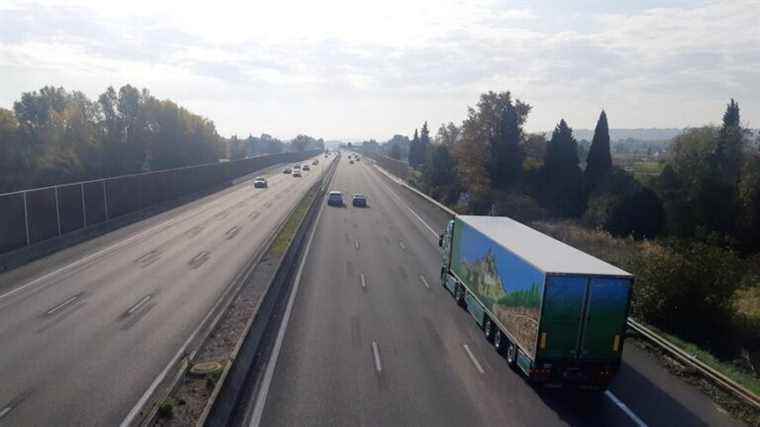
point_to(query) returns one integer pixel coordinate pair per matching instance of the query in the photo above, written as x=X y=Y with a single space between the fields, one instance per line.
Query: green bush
x=688 y=287
x=520 y=207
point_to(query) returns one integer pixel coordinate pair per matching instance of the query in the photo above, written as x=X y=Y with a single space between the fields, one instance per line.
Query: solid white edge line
x=364 y=281
x=473 y=359
x=401 y=203
x=376 y=352
x=639 y=422
x=160 y=378
x=424 y=282
x=423 y=222
x=261 y=398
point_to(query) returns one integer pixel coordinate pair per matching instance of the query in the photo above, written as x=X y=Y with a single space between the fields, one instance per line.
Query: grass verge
x=282 y=242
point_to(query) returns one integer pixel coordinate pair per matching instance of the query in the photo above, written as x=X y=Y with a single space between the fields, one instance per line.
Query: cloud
x=402 y=61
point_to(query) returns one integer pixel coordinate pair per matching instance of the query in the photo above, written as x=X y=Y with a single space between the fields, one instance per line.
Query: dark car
x=306 y=167
x=335 y=198
x=296 y=173
x=359 y=200
x=260 y=182
x=287 y=171
x=351 y=162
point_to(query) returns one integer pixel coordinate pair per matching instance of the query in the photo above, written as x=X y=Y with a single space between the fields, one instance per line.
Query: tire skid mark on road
x=198 y=229
x=148 y=258
x=402 y=272
x=137 y=311
x=268 y=205
x=222 y=214
x=232 y=232
x=349 y=268
x=356 y=333
x=199 y=259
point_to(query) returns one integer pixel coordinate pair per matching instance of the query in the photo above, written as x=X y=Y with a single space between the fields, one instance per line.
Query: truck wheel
x=512 y=355
x=500 y=342
x=459 y=296
x=488 y=328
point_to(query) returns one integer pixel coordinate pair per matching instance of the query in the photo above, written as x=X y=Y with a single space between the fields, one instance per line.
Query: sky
x=353 y=69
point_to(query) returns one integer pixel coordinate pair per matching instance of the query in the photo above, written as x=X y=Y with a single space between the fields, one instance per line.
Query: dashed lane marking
x=473 y=359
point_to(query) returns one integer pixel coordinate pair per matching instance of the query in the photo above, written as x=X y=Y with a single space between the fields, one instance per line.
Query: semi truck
x=556 y=314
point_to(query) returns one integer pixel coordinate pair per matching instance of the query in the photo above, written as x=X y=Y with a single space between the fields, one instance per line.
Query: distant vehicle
x=287 y=171
x=358 y=158
x=297 y=167
x=297 y=173
x=315 y=162
x=359 y=200
x=305 y=167
x=351 y=162
x=335 y=198
x=558 y=315
x=260 y=182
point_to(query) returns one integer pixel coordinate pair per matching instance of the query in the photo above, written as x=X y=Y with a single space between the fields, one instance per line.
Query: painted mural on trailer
x=508 y=286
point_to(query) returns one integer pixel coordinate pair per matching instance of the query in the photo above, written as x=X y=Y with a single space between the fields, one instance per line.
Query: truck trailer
x=556 y=314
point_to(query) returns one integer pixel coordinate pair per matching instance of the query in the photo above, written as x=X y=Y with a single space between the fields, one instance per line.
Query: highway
x=82 y=341
x=373 y=339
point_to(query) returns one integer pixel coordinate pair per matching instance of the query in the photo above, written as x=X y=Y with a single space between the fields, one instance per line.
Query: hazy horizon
x=342 y=70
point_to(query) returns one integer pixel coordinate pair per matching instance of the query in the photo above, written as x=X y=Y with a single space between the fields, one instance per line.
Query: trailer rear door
x=606 y=312
x=564 y=297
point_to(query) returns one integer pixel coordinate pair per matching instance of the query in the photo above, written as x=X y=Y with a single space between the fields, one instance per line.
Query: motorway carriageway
x=370 y=337
x=81 y=342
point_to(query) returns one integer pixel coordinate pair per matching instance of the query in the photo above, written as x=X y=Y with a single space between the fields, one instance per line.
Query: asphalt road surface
x=82 y=342
x=373 y=339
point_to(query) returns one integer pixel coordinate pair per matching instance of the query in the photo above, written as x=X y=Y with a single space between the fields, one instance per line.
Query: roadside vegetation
x=53 y=136
x=682 y=215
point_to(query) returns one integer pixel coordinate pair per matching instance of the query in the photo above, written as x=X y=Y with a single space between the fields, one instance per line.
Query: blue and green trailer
x=557 y=315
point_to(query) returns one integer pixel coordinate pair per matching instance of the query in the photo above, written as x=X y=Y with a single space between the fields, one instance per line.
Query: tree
x=506 y=155
x=414 y=150
x=486 y=154
x=439 y=175
x=561 y=190
x=424 y=145
x=448 y=135
x=599 y=160
x=395 y=151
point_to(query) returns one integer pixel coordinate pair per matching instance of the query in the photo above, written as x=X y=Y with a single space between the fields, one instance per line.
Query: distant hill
x=639 y=134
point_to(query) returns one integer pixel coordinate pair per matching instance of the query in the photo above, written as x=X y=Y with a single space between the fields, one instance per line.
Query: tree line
x=53 y=136
x=708 y=190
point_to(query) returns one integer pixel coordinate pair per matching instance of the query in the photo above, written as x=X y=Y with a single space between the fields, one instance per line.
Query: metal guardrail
x=721 y=380
x=38 y=214
x=726 y=383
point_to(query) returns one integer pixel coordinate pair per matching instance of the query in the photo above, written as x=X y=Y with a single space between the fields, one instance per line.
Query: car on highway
x=297 y=167
x=335 y=198
x=306 y=167
x=359 y=200
x=351 y=162
x=260 y=182
x=297 y=173
x=287 y=171
x=315 y=162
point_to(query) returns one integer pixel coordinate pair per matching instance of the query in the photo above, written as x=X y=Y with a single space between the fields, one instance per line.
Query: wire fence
x=35 y=215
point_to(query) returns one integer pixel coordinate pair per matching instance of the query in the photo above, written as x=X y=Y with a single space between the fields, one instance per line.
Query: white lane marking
x=139 y=304
x=402 y=245
x=639 y=422
x=261 y=399
x=5 y=411
x=356 y=244
x=364 y=281
x=401 y=203
x=423 y=222
x=473 y=359
x=62 y=305
x=376 y=352
x=121 y=243
x=424 y=282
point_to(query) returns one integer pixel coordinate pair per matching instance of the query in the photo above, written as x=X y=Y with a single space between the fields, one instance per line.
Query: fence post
x=26 y=220
x=58 y=210
x=84 y=208
x=105 y=199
